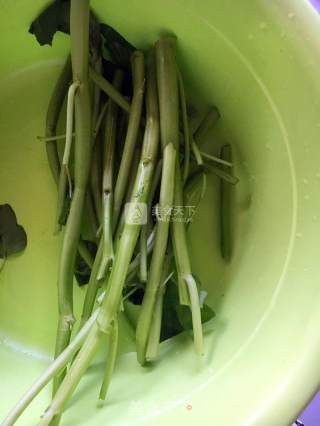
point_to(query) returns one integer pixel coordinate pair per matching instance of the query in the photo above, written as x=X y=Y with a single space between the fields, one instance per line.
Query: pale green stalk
x=107 y=181
x=97 y=116
x=96 y=166
x=145 y=230
x=89 y=214
x=121 y=221
x=195 y=313
x=215 y=159
x=111 y=359
x=186 y=130
x=110 y=306
x=143 y=269
x=54 y=108
x=206 y=124
x=108 y=88
x=155 y=329
x=94 y=284
x=69 y=125
x=199 y=161
x=134 y=265
x=59 y=363
x=169 y=125
x=85 y=253
x=95 y=177
x=64 y=178
x=159 y=250
x=97 y=66
x=138 y=82
x=179 y=242
x=100 y=119
x=92 y=287
x=188 y=292
x=222 y=174
x=52 y=138
x=77 y=369
x=79 y=34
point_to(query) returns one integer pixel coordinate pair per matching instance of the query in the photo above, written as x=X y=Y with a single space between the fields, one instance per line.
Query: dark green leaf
x=185 y=318
x=52 y=19
x=56 y=17
x=13 y=238
x=119 y=48
x=207 y=313
x=177 y=318
x=170 y=325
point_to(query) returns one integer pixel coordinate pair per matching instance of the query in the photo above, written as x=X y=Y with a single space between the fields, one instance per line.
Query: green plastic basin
x=259 y=62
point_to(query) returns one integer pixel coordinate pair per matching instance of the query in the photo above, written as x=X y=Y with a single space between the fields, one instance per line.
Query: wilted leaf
x=53 y=18
x=56 y=17
x=119 y=48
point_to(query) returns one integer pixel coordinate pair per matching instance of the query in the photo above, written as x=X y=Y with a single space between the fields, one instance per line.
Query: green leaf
x=13 y=237
x=170 y=325
x=119 y=48
x=207 y=313
x=177 y=318
x=185 y=318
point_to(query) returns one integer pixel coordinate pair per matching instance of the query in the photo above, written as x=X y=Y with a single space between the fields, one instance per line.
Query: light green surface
x=259 y=62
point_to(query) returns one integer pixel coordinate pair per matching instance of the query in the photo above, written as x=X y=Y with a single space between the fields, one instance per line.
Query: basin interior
x=264 y=213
